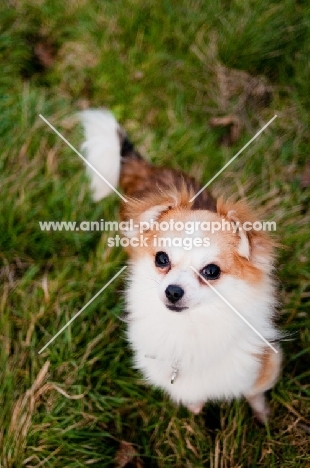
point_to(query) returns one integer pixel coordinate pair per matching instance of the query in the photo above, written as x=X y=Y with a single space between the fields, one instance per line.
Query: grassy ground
x=165 y=68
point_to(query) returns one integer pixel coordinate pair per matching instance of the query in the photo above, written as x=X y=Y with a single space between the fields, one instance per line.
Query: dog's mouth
x=175 y=308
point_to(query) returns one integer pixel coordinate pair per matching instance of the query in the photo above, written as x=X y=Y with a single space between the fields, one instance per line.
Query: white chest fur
x=209 y=349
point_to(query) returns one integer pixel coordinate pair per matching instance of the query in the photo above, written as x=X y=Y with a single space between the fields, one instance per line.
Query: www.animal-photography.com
x=155 y=234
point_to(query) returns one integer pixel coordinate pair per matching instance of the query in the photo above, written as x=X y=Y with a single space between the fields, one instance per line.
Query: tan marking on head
x=141 y=180
x=245 y=264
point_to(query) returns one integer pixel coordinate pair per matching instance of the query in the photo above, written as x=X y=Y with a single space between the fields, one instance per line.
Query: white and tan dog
x=186 y=339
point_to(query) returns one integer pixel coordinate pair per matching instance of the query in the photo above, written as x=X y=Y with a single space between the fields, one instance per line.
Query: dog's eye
x=162 y=260
x=211 y=272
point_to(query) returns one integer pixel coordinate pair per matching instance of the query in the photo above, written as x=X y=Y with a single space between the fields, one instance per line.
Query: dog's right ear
x=139 y=215
x=141 y=212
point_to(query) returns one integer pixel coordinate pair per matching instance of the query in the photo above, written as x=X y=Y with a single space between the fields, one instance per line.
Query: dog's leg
x=260 y=407
x=267 y=377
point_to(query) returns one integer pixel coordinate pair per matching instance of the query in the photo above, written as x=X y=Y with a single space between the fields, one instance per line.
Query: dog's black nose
x=174 y=293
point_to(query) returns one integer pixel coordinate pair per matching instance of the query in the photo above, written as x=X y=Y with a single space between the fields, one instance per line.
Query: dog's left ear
x=244 y=248
x=253 y=244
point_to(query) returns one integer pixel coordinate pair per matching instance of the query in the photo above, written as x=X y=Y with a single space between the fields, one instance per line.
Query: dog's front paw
x=195 y=408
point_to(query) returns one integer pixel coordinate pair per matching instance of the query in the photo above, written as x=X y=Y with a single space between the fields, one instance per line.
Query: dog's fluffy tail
x=102 y=148
x=108 y=149
x=110 y=152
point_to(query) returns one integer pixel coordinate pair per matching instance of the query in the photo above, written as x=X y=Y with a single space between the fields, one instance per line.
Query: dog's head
x=182 y=252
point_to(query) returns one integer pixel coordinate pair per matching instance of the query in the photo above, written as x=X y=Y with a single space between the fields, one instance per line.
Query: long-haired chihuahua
x=201 y=301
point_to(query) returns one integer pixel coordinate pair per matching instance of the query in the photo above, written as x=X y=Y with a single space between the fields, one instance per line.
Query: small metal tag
x=174 y=375
x=176 y=369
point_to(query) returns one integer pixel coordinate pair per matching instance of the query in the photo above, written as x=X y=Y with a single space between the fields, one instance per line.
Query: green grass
x=158 y=66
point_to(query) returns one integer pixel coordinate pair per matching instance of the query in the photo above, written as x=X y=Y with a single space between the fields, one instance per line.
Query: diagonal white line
x=82 y=157
x=235 y=310
x=232 y=159
x=83 y=308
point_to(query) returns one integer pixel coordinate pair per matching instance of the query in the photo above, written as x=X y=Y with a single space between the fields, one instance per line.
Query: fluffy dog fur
x=196 y=349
